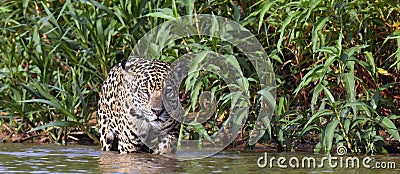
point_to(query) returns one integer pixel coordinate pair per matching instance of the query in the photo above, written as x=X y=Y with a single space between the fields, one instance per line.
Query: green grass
x=337 y=61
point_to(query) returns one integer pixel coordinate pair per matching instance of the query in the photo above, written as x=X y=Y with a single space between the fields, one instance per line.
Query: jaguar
x=131 y=114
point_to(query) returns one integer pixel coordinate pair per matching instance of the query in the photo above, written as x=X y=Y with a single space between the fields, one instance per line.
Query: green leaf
x=361 y=120
x=56 y=124
x=287 y=21
x=319 y=114
x=309 y=128
x=329 y=50
x=281 y=106
x=50 y=16
x=310 y=76
x=314 y=99
x=266 y=94
x=319 y=25
x=101 y=6
x=266 y=6
x=329 y=134
x=364 y=107
x=349 y=82
x=162 y=13
x=350 y=52
x=55 y=104
x=329 y=95
x=390 y=127
x=371 y=62
x=200 y=130
x=394 y=117
x=346 y=125
x=263 y=123
x=195 y=94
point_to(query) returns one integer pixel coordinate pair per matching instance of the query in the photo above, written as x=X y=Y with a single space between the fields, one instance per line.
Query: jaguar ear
x=127 y=76
x=126 y=66
x=123 y=63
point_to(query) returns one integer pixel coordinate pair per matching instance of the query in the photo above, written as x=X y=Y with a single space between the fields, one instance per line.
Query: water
x=49 y=158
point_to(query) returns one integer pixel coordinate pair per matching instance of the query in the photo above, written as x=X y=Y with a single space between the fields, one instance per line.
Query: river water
x=51 y=158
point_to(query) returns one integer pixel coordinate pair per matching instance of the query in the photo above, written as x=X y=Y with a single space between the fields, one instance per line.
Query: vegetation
x=336 y=63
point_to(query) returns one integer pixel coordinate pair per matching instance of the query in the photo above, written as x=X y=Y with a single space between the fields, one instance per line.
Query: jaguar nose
x=157 y=112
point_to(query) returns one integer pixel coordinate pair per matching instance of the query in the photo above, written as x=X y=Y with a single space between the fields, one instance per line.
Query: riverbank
x=305 y=144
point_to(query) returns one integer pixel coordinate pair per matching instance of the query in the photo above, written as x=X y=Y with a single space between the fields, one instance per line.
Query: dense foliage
x=336 y=64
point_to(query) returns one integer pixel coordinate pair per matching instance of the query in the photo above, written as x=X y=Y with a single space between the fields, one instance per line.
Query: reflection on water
x=33 y=158
x=112 y=162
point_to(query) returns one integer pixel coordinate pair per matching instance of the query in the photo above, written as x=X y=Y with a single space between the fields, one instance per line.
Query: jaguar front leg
x=167 y=144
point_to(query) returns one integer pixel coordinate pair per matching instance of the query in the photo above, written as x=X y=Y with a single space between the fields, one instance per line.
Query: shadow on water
x=50 y=158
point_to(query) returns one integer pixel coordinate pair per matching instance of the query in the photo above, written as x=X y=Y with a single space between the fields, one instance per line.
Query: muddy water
x=33 y=158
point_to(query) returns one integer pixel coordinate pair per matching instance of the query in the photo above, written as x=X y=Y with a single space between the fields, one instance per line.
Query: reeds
x=337 y=61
